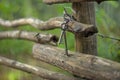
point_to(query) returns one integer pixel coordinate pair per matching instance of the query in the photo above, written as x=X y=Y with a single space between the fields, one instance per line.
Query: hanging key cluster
x=64 y=27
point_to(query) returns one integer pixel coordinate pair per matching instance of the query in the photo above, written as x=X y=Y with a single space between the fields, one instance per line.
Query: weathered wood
x=31 y=36
x=85 y=13
x=71 y=1
x=84 y=30
x=34 y=70
x=37 y=23
x=74 y=26
x=83 y=65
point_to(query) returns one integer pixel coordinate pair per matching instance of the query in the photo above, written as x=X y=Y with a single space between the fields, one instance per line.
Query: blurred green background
x=107 y=20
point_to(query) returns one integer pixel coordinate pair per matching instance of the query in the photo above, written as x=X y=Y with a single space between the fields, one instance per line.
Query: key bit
x=61 y=37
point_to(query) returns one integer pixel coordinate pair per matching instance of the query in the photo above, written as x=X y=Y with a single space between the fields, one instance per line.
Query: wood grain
x=85 y=13
x=83 y=65
x=46 y=74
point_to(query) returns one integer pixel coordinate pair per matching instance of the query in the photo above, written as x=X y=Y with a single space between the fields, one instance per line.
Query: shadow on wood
x=71 y=1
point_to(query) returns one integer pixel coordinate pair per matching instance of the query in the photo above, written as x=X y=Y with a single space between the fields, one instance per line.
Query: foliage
x=107 y=15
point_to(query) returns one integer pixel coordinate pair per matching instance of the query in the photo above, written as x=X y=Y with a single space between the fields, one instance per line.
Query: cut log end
x=89 y=32
x=54 y=38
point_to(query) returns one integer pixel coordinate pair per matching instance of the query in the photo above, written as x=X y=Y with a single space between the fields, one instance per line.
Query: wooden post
x=85 y=13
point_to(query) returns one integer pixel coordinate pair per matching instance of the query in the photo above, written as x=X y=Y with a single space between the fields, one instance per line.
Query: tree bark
x=35 y=70
x=74 y=26
x=31 y=36
x=83 y=65
x=85 y=13
x=70 y=1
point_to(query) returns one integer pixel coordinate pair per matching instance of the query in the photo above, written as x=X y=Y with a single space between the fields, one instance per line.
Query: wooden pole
x=89 y=67
x=85 y=13
x=43 y=73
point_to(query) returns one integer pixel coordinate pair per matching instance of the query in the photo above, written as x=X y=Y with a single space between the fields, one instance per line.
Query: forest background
x=107 y=21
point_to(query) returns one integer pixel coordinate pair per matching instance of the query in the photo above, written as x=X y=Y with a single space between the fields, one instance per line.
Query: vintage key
x=63 y=35
x=61 y=38
x=64 y=27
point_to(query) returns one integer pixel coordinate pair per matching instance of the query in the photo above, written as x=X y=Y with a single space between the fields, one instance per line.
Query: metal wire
x=109 y=37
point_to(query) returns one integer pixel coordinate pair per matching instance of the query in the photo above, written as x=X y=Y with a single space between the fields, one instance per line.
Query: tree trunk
x=85 y=13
